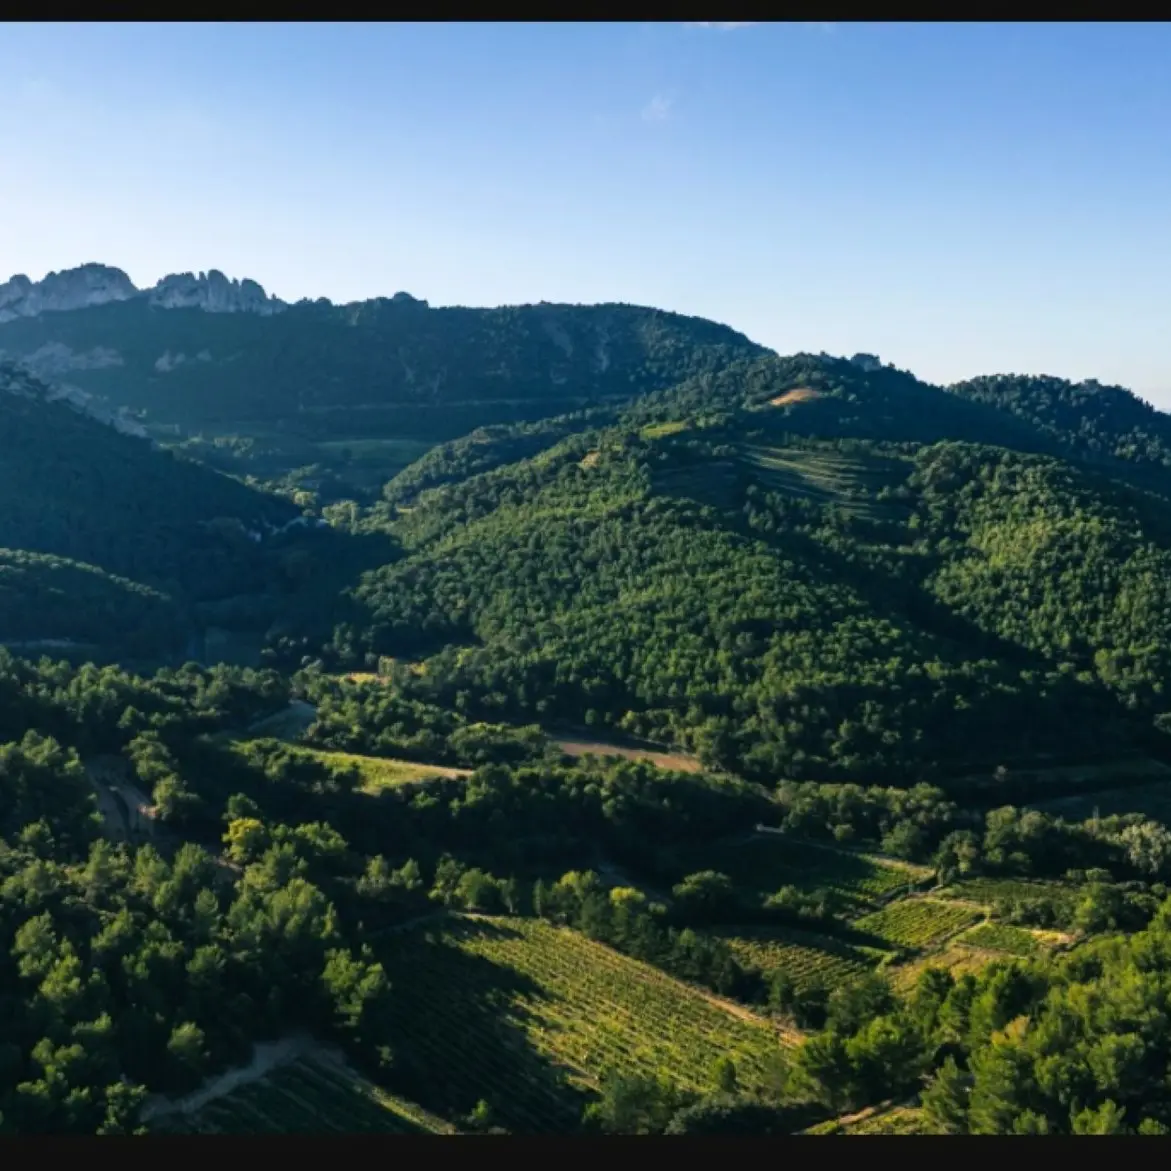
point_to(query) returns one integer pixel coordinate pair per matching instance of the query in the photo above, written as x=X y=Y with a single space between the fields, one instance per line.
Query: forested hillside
x=788 y=571
x=668 y=738
x=113 y=544
x=338 y=395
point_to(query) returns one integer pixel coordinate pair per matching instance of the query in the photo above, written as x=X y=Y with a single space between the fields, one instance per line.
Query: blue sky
x=958 y=198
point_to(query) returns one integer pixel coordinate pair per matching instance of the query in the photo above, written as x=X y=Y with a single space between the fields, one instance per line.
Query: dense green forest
x=563 y=719
x=325 y=398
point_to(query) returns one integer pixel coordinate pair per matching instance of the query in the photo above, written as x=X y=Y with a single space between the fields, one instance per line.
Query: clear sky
x=958 y=198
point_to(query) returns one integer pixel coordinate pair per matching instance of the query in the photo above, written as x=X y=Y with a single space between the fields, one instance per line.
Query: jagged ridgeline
x=355 y=392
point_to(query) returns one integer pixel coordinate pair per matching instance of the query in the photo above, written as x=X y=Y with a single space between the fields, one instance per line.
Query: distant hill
x=1104 y=425
x=350 y=388
x=104 y=537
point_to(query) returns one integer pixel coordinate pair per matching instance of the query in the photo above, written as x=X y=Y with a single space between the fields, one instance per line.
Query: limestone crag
x=214 y=293
x=74 y=288
x=97 y=284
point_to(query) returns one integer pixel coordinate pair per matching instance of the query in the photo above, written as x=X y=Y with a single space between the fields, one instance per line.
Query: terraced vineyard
x=805 y=957
x=306 y=1097
x=918 y=923
x=1001 y=937
x=767 y=861
x=530 y=1016
x=826 y=477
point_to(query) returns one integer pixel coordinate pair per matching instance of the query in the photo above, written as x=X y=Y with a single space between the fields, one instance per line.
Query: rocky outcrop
x=96 y=284
x=214 y=293
x=74 y=288
x=21 y=381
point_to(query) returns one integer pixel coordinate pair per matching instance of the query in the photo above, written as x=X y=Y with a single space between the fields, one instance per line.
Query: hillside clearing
x=287 y=724
x=377 y=772
x=584 y=746
x=800 y=394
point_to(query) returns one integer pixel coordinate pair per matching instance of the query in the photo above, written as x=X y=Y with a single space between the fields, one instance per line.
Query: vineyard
x=987 y=891
x=1001 y=937
x=766 y=862
x=805 y=957
x=892 y=1120
x=917 y=923
x=310 y=1096
x=531 y=1016
x=825 y=477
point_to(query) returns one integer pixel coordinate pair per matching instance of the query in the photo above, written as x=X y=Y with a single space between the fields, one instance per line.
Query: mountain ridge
x=99 y=284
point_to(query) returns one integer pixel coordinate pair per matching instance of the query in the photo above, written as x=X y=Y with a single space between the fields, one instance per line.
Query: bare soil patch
x=800 y=395
x=587 y=746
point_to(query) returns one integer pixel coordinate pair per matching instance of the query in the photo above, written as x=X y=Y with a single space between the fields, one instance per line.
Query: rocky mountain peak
x=73 y=288
x=95 y=284
x=214 y=293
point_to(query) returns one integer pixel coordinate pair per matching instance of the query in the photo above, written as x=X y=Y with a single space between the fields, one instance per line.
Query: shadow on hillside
x=459 y=1031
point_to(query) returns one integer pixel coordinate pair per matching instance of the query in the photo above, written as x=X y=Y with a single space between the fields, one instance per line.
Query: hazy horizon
x=957 y=198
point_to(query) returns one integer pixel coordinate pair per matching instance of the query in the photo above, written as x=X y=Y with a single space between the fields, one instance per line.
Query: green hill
x=849 y=582
x=338 y=390
x=109 y=541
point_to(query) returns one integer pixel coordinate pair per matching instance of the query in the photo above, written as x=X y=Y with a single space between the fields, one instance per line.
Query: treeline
x=380 y=720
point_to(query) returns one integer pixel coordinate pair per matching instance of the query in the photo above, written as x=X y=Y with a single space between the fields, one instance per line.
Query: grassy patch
x=1001 y=937
x=658 y=430
x=377 y=772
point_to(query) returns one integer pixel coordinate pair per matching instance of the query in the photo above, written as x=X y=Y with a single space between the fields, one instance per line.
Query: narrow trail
x=265 y=1058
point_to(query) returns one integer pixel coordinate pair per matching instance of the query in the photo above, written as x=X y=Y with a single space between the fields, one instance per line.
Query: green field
x=530 y=1016
x=306 y=1097
x=807 y=958
x=766 y=862
x=917 y=923
x=658 y=430
x=377 y=772
x=1001 y=937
